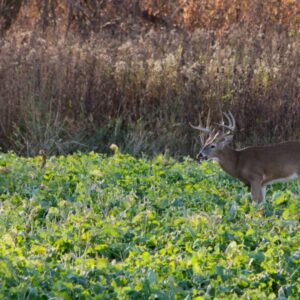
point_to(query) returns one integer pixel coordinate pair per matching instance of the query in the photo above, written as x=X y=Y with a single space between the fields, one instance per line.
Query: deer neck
x=228 y=159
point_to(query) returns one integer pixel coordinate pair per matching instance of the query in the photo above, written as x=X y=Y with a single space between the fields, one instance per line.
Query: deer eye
x=212 y=146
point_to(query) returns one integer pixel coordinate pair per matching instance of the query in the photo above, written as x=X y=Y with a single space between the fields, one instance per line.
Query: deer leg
x=257 y=191
x=264 y=191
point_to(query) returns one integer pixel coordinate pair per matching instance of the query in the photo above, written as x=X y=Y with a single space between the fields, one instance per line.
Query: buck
x=256 y=167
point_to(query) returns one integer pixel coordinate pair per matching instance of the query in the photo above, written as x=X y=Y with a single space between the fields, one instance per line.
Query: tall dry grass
x=140 y=92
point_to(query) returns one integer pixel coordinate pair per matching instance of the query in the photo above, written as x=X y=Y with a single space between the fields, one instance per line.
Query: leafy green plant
x=89 y=226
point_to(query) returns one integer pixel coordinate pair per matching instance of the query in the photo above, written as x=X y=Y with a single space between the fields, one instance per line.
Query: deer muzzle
x=201 y=156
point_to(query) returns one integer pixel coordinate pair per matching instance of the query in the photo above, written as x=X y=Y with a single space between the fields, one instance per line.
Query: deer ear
x=226 y=140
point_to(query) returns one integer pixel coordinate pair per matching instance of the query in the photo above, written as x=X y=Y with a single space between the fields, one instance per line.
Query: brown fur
x=258 y=166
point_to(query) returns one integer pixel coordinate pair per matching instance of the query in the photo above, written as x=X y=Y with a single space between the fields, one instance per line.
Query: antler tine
x=214 y=135
x=228 y=119
x=200 y=127
x=231 y=121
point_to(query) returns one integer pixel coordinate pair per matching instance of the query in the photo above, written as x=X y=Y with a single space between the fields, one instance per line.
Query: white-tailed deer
x=256 y=167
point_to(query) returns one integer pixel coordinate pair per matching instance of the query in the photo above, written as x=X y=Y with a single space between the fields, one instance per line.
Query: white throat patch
x=215 y=159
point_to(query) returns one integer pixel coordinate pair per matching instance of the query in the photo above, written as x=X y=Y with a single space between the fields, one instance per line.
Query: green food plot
x=89 y=226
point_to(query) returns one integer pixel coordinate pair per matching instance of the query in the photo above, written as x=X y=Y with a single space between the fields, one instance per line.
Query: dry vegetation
x=87 y=74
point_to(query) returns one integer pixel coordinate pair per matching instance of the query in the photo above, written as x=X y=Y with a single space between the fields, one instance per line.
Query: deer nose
x=201 y=156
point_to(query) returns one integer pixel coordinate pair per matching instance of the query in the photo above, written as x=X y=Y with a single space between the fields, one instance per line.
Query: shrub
x=140 y=90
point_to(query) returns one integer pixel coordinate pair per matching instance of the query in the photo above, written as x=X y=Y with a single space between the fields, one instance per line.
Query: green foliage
x=90 y=226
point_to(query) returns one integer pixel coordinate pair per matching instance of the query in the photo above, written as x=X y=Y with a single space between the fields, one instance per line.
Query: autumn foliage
x=218 y=15
x=84 y=74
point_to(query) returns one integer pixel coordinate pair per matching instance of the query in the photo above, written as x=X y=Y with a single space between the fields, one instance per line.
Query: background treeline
x=80 y=75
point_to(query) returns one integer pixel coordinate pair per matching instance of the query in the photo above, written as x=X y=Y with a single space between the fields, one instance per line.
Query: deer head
x=214 y=140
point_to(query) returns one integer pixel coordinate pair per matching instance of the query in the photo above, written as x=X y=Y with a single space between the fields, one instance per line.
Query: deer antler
x=209 y=135
x=205 y=130
x=230 y=118
x=200 y=127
